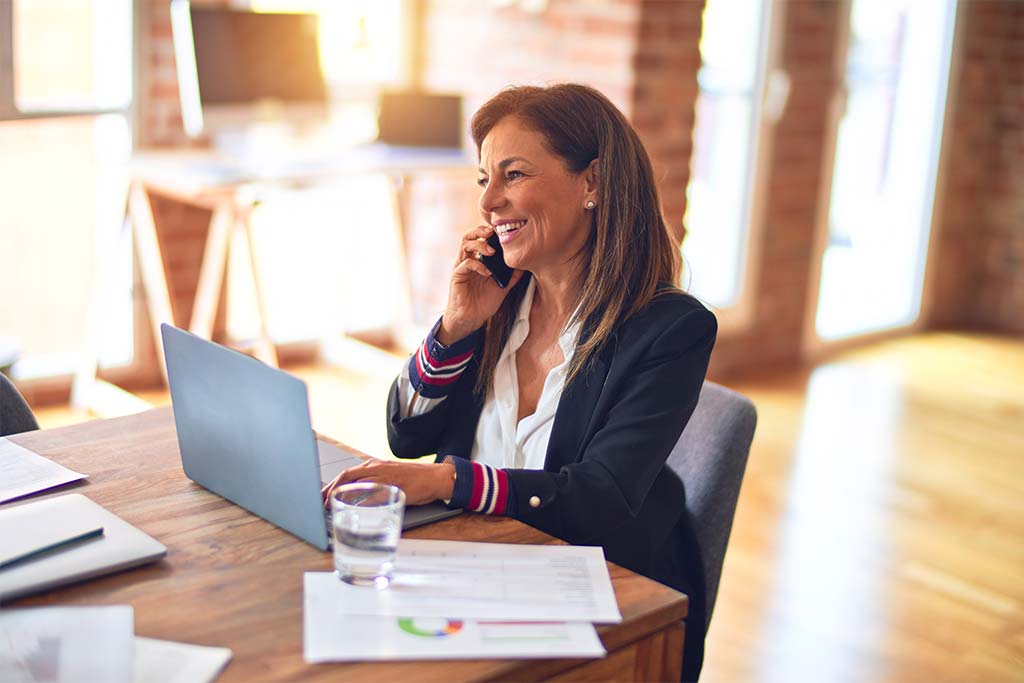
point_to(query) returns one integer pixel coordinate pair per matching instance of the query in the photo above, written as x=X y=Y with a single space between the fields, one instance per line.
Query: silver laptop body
x=120 y=546
x=244 y=433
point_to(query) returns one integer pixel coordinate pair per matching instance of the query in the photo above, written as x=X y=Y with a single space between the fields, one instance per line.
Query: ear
x=592 y=181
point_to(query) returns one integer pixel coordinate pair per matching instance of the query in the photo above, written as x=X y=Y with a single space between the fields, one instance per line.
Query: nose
x=492 y=198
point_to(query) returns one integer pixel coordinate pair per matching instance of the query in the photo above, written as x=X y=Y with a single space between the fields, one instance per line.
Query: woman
x=557 y=399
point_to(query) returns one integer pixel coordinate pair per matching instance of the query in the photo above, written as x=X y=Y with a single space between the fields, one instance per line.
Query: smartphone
x=496 y=262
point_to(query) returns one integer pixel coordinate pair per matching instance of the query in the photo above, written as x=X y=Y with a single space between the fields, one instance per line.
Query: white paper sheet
x=164 y=661
x=455 y=579
x=66 y=644
x=23 y=472
x=331 y=635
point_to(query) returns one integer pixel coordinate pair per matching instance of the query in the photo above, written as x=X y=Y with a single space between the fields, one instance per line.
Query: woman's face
x=532 y=200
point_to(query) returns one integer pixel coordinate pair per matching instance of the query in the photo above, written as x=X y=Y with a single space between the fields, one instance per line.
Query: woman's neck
x=554 y=300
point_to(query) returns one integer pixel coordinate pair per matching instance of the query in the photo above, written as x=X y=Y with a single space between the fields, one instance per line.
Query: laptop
x=244 y=433
x=119 y=546
x=420 y=119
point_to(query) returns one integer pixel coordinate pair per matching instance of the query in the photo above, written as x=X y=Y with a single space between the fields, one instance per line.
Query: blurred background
x=845 y=179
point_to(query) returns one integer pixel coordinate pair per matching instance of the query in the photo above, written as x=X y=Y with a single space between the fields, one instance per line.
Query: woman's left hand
x=421 y=482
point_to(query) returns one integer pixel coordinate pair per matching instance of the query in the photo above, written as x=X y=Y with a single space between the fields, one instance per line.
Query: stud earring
x=590 y=204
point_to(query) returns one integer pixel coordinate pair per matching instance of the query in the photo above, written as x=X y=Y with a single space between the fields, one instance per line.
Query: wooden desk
x=230 y=579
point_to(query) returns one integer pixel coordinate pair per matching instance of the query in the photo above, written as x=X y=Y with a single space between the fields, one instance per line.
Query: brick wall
x=1002 y=286
x=159 y=110
x=476 y=48
x=664 y=95
x=979 y=261
x=793 y=177
x=181 y=230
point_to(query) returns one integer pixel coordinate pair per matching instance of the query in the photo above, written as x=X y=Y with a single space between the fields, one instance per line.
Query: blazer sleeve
x=609 y=483
x=436 y=372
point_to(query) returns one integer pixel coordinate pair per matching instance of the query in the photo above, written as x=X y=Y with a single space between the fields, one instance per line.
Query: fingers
x=415 y=479
x=472 y=248
x=474 y=266
x=475 y=242
x=479 y=232
x=329 y=485
x=325 y=492
x=354 y=473
x=346 y=477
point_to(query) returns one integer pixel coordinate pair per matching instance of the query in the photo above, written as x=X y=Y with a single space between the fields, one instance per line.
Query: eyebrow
x=504 y=163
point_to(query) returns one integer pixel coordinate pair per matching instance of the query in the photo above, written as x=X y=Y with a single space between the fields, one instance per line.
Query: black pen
x=53 y=547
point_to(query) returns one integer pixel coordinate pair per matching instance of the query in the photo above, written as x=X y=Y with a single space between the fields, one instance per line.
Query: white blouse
x=501 y=441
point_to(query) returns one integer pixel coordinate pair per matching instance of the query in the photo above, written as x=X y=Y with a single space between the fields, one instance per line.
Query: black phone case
x=496 y=262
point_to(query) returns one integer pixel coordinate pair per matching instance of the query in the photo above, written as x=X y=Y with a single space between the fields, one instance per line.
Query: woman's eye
x=512 y=175
x=482 y=182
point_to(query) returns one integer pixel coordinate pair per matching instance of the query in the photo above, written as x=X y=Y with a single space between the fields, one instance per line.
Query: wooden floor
x=880 y=530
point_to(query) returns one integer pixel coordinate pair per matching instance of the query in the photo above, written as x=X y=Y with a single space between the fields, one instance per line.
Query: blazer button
x=534 y=502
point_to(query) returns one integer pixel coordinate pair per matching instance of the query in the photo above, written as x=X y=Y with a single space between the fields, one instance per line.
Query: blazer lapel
x=574 y=417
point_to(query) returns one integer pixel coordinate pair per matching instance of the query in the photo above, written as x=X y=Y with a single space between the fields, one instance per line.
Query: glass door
x=885 y=166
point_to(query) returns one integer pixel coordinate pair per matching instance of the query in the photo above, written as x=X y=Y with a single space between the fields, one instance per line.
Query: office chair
x=710 y=458
x=15 y=415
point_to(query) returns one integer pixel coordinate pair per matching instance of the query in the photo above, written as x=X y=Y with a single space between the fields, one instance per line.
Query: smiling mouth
x=507 y=229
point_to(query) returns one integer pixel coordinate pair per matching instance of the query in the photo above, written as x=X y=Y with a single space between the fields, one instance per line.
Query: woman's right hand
x=473 y=296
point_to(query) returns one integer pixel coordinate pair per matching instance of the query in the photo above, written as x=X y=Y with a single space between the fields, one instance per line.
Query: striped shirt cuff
x=435 y=368
x=481 y=488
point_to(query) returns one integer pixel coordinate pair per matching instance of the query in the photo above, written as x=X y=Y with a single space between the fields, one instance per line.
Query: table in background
x=231 y=579
x=230 y=188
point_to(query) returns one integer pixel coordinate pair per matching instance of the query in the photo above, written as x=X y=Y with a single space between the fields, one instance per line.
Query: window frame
x=141 y=370
x=739 y=316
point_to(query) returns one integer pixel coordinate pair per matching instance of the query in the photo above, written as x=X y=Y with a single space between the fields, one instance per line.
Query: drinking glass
x=367 y=521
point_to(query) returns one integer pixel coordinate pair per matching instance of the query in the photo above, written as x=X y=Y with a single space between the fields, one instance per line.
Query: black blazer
x=605 y=480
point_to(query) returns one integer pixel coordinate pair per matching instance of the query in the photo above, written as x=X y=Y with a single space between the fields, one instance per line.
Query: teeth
x=509 y=227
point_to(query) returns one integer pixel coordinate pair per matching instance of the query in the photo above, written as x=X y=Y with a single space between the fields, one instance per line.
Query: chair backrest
x=710 y=458
x=15 y=415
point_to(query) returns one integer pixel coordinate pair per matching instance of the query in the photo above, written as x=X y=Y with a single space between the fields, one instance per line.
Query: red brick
x=598 y=27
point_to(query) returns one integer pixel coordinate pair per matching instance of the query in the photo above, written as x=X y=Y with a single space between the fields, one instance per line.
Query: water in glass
x=367 y=522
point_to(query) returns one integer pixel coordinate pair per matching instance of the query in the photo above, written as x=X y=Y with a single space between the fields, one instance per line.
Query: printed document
x=89 y=644
x=330 y=635
x=456 y=579
x=164 y=661
x=67 y=644
x=23 y=472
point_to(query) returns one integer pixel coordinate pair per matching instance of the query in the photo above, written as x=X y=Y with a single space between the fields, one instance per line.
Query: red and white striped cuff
x=434 y=368
x=481 y=488
x=490 y=490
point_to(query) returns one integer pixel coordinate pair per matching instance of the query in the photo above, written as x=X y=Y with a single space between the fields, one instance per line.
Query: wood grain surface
x=880 y=530
x=231 y=579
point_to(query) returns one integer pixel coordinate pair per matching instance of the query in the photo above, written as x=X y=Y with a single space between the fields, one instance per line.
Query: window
x=65 y=131
x=720 y=196
x=71 y=55
x=885 y=166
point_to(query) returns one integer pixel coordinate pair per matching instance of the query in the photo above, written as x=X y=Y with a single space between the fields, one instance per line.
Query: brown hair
x=629 y=251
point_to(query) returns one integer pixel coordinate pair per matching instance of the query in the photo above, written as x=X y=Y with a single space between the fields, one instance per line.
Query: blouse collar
x=521 y=326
